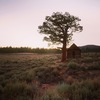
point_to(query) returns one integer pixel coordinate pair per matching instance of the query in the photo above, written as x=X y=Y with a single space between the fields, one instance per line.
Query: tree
x=59 y=29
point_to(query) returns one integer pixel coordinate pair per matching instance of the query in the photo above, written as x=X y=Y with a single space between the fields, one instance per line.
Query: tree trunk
x=64 y=50
x=63 y=54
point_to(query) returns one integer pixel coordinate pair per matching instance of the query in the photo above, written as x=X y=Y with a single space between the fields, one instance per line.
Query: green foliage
x=51 y=95
x=18 y=74
x=73 y=65
x=86 y=90
x=63 y=90
x=57 y=27
x=28 y=50
x=28 y=76
x=91 y=66
x=47 y=75
x=86 y=64
x=17 y=90
x=94 y=66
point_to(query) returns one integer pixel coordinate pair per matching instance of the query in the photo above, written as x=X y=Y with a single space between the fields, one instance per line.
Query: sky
x=19 y=21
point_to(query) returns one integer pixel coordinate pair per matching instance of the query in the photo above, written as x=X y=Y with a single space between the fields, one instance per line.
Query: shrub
x=85 y=90
x=73 y=65
x=19 y=90
x=78 y=92
x=87 y=59
x=63 y=90
x=27 y=76
x=47 y=75
x=22 y=98
x=51 y=95
x=94 y=66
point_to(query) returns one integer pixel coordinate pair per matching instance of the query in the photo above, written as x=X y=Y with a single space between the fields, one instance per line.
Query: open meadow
x=32 y=76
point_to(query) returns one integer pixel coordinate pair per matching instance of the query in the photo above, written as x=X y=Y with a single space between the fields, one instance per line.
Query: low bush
x=94 y=66
x=73 y=65
x=27 y=76
x=85 y=90
x=51 y=95
x=13 y=91
x=47 y=75
x=63 y=90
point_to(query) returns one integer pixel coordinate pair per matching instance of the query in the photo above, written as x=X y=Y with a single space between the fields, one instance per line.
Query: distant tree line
x=27 y=50
x=84 y=49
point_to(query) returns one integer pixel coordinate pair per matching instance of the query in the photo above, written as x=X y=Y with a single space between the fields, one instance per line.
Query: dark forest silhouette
x=84 y=49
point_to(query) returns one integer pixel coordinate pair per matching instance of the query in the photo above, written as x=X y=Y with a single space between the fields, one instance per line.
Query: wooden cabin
x=73 y=52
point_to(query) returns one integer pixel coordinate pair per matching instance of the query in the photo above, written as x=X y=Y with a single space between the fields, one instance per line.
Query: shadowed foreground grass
x=43 y=77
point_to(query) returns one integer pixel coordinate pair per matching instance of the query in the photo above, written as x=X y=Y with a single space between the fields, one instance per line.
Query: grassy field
x=30 y=76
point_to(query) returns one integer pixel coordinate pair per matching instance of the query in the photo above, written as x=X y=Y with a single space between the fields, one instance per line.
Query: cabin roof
x=73 y=47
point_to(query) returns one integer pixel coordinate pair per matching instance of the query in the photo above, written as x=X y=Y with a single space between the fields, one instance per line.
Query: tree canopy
x=59 y=29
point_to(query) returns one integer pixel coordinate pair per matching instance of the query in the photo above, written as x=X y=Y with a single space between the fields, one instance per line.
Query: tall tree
x=59 y=29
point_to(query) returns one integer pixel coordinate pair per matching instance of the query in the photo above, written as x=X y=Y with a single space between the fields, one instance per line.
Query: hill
x=90 y=48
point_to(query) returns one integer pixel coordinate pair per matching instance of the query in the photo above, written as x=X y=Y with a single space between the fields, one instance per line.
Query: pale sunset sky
x=19 y=21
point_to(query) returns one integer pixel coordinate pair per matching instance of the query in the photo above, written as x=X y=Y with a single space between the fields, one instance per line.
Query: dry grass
x=33 y=71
